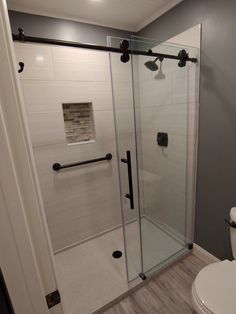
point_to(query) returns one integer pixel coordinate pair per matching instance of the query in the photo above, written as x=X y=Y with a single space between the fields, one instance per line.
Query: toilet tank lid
x=233 y=214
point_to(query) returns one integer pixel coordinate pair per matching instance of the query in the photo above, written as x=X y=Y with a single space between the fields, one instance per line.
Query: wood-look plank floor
x=167 y=293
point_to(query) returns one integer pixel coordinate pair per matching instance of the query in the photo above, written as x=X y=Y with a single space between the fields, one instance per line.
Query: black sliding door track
x=30 y=39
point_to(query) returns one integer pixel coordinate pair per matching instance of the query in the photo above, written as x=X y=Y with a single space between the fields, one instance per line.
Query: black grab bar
x=57 y=166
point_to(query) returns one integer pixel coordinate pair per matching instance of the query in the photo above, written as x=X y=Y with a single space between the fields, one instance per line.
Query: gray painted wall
x=42 y=26
x=216 y=180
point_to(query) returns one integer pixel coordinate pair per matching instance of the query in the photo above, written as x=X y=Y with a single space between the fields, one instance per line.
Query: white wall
x=191 y=37
x=84 y=201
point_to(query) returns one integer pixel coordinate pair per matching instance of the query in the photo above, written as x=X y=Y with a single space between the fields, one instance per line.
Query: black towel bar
x=57 y=166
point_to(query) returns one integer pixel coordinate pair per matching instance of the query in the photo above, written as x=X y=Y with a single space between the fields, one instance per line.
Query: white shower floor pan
x=89 y=277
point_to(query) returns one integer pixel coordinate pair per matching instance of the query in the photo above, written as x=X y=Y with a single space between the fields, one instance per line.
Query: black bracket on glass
x=142 y=276
x=53 y=298
x=21 y=34
x=183 y=55
x=162 y=139
x=190 y=246
x=124 y=46
x=129 y=195
x=21 y=65
x=232 y=224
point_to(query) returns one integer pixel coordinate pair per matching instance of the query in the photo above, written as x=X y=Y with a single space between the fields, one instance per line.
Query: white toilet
x=214 y=288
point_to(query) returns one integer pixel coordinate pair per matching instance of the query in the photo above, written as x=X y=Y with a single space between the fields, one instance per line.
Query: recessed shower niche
x=79 y=122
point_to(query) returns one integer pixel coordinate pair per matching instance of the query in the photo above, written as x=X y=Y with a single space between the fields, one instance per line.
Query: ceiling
x=129 y=15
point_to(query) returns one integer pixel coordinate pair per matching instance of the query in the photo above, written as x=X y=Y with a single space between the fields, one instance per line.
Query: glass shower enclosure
x=155 y=119
x=83 y=105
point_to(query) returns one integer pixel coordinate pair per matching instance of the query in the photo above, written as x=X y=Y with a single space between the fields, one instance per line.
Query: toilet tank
x=233 y=231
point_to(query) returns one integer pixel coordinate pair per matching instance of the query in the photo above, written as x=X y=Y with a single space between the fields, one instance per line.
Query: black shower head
x=151 y=65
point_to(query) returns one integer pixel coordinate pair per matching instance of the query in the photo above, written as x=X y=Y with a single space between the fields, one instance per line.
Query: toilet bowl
x=214 y=288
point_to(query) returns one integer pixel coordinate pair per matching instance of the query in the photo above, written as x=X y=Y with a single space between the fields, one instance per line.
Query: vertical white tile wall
x=79 y=202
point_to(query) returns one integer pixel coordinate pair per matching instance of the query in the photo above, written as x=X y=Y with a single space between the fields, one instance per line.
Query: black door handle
x=129 y=195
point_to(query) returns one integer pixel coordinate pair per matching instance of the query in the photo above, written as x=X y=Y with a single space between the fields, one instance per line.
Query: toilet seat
x=198 y=305
x=214 y=289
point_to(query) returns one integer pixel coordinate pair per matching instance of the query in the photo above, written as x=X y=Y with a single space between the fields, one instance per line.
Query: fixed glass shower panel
x=161 y=99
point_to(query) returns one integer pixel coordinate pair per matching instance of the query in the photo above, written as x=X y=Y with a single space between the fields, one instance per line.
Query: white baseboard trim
x=204 y=255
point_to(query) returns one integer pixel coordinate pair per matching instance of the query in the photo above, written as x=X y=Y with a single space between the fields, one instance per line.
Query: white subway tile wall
x=79 y=202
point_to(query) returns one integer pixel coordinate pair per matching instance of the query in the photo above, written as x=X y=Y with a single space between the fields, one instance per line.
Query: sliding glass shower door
x=152 y=113
x=127 y=162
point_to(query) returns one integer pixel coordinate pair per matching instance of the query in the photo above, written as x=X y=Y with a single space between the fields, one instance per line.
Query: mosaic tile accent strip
x=79 y=124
